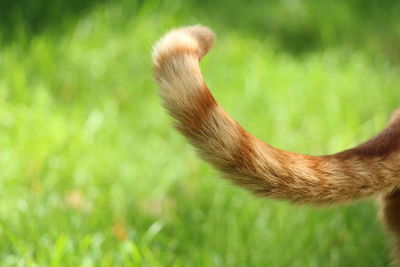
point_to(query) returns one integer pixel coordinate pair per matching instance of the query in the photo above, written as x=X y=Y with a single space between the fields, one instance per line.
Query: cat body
x=371 y=168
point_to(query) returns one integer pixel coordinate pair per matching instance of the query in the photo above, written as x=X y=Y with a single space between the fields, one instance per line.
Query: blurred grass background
x=93 y=174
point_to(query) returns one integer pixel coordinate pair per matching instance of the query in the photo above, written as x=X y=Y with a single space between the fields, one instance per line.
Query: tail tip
x=204 y=36
x=197 y=38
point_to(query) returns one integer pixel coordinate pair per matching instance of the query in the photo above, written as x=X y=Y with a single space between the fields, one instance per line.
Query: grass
x=94 y=175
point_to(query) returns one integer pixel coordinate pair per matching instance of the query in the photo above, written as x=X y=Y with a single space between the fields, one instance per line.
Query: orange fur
x=368 y=169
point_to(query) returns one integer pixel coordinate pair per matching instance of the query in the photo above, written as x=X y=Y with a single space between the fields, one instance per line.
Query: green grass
x=93 y=174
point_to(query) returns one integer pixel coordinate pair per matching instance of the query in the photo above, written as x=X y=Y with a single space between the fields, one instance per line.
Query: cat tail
x=365 y=170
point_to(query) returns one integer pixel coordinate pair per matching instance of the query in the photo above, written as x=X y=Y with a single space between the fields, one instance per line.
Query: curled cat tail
x=365 y=170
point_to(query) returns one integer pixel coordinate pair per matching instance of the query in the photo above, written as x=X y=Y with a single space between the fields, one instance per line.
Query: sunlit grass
x=93 y=173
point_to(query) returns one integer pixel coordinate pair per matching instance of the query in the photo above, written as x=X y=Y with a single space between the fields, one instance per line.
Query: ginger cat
x=371 y=168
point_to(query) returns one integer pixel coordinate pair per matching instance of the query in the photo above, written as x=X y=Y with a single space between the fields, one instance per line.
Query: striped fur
x=369 y=169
